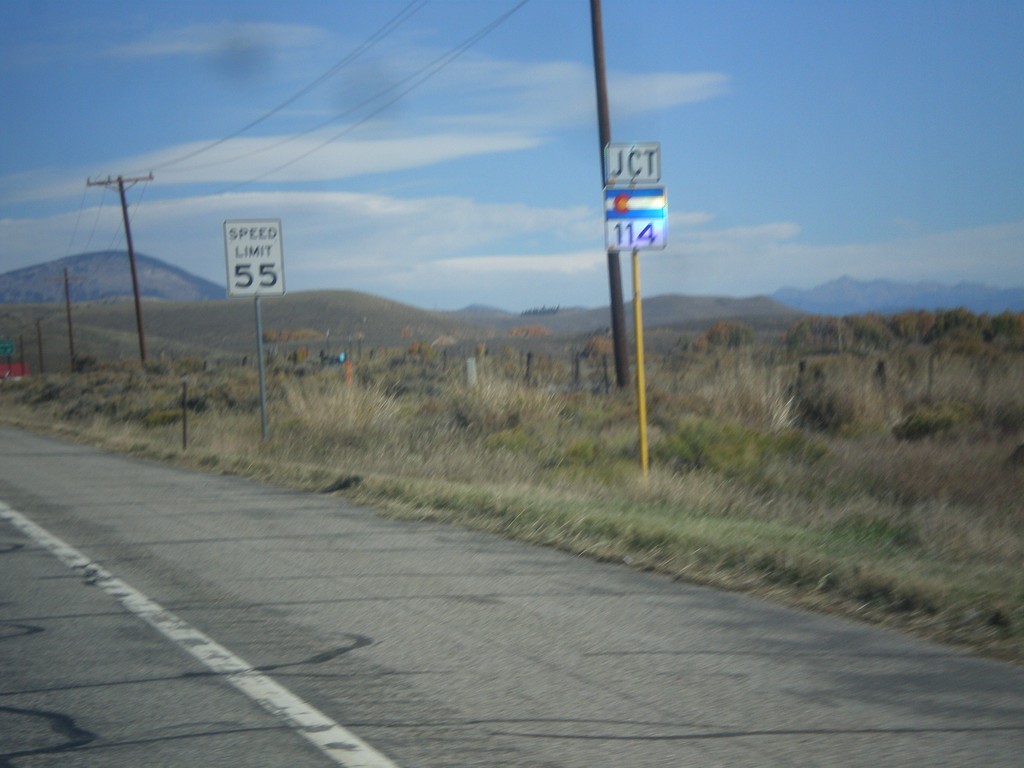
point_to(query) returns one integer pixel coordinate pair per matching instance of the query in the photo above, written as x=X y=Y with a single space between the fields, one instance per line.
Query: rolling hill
x=186 y=316
x=320 y=320
x=104 y=275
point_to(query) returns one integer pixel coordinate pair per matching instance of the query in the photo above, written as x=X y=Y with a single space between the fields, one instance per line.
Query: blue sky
x=801 y=140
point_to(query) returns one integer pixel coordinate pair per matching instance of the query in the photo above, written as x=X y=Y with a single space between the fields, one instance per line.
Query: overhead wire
x=390 y=26
x=78 y=220
x=407 y=11
x=132 y=209
x=423 y=74
x=96 y=221
x=438 y=63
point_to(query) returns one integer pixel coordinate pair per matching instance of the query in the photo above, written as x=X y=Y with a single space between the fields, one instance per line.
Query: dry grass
x=765 y=477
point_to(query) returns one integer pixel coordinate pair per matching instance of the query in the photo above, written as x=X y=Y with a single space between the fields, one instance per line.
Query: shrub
x=84 y=364
x=598 y=346
x=876 y=532
x=1009 y=417
x=583 y=452
x=529 y=332
x=514 y=440
x=932 y=419
x=869 y=333
x=161 y=418
x=326 y=408
x=1009 y=326
x=815 y=334
x=495 y=406
x=959 y=325
x=725 y=334
x=50 y=390
x=820 y=404
x=911 y=326
x=732 y=448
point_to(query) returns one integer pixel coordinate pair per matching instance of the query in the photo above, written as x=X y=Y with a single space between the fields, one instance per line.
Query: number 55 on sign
x=635 y=218
x=254 y=257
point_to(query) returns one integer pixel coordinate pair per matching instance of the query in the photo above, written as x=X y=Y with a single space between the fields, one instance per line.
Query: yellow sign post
x=641 y=384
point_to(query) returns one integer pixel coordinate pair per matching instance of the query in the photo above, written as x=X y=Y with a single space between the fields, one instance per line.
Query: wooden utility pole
x=614 y=266
x=120 y=181
x=39 y=342
x=67 y=280
x=67 y=307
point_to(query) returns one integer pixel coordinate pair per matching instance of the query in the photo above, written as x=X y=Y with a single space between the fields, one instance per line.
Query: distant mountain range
x=104 y=275
x=847 y=296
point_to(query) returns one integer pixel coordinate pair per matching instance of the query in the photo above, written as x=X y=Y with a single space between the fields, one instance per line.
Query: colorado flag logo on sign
x=635 y=218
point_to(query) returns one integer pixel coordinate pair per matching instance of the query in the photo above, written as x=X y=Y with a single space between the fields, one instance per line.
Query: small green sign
x=6 y=348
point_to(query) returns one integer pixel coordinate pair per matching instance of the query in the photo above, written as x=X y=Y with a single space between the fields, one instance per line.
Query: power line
x=78 y=219
x=437 y=65
x=132 y=210
x=96 y=221
x=407 y=12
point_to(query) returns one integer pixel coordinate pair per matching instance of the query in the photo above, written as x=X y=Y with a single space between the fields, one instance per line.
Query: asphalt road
x=435 y=646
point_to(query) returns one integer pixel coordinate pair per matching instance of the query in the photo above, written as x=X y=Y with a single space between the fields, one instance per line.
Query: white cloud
x=327 y=235
x=317 y=157
x=553 y=94
x=275 y=159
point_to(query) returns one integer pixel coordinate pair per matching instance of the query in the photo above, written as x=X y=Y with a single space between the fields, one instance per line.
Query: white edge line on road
x=344 y=747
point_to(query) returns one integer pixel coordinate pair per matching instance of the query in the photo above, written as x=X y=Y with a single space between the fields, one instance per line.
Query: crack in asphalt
x=62 y=725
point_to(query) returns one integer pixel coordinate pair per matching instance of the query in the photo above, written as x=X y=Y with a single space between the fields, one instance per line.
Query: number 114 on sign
x=627 y=234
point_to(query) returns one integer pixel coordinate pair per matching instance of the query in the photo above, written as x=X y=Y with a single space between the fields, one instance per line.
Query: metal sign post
x=262 y=369
x=254 y=257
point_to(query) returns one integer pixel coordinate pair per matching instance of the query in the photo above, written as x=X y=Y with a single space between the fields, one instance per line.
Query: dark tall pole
x=120 y=180
x=614 y=266
x=135 y=275
x=71 y=333
x=39 y=343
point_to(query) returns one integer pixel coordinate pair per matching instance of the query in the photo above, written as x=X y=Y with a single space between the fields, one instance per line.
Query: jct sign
x=254 y=257
x=638 y=163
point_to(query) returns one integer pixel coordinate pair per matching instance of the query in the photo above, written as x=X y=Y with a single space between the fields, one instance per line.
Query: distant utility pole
x=120 y=181
x=67 y=280
x=614 y=267
x=67 y=306
x=39 y=342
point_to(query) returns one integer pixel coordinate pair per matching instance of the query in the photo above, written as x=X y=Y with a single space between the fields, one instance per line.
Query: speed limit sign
x=254 y=257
